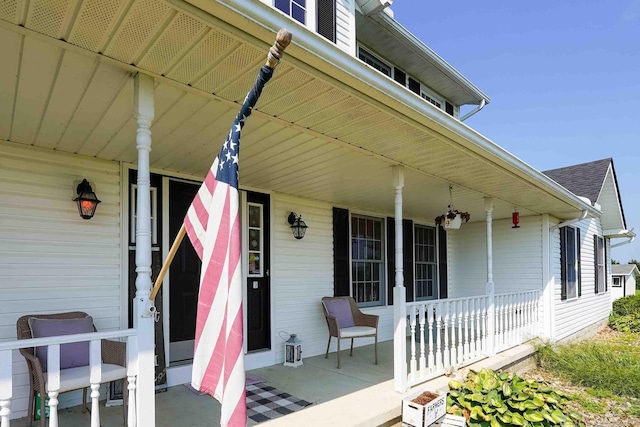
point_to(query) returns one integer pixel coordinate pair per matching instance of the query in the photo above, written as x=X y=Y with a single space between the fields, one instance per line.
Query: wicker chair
x=113 y=353
x=345 y=320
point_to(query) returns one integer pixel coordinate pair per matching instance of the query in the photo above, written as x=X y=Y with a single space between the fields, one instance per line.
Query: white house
x=359 y=131
x=623 y=280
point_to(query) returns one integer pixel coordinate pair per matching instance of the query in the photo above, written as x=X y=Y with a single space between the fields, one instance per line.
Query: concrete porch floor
x=358 y=394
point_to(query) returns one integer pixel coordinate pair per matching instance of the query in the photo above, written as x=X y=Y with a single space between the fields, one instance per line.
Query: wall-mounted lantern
x=298 y=226
x=87 y=200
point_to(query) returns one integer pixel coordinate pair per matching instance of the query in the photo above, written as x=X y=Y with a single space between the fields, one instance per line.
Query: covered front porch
x=359 y=392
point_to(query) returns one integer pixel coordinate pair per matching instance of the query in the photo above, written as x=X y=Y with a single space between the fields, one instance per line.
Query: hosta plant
x=491 y=399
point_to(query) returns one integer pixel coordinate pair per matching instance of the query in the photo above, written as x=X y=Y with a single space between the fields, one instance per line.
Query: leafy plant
x=490 y=399
x=625 y=314
x=465 y=216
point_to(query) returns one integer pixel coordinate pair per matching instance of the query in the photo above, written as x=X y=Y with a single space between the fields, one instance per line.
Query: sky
x=563 y=78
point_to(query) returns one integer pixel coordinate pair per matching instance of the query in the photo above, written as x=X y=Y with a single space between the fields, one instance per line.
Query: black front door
x=257 y=242
x=184 y=277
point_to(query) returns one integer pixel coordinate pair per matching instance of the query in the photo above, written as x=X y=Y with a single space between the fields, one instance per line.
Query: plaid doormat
x=265 y=402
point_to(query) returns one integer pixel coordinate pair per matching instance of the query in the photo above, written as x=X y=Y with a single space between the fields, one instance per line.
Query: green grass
x=608 y=368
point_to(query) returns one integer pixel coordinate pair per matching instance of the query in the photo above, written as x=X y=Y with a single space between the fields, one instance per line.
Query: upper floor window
x=374 y=62
x=570 y=263
x=297 y=9
x=600 y=267
x=367 y=260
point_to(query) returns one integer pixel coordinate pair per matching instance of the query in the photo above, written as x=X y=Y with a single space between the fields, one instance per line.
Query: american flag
x=213 y=226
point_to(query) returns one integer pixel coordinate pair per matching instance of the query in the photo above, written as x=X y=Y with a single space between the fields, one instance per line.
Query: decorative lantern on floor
x=293 y=351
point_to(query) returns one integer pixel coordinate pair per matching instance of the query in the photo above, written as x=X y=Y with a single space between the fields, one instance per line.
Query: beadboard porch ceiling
x=67 y=84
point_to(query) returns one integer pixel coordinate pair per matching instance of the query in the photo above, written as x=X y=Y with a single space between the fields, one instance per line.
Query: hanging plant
x=451 y=214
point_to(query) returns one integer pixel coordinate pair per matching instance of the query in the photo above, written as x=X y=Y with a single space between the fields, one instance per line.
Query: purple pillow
x=341 y=310
x=71 y=355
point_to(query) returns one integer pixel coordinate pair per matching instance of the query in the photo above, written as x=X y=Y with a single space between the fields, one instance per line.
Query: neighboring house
x=623 y=280
x=359 y=132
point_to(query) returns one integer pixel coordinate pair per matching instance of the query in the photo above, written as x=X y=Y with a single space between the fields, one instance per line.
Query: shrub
x=490 y=399
x=625 y=315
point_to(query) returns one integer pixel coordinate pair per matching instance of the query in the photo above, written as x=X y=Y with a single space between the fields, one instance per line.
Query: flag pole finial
x=283 y=39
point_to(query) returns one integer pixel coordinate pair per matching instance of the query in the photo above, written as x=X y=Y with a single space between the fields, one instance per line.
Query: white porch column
x=399 y=293
x=490 y=288
x=547 y=329
x=144 y=309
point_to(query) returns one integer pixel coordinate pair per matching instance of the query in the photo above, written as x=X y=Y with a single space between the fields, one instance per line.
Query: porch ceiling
x=66 y=84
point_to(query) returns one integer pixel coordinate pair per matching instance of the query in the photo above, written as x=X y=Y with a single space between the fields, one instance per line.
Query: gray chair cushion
x=72 y=355
x=341 y=310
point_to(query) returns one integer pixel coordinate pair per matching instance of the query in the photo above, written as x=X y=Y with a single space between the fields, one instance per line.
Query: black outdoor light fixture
x=298 y=226
x=87 y=200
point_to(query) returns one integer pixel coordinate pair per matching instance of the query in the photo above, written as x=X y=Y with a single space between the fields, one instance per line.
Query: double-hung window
x=367 y=260
x=570 y=263
x=599 y=264
x=426 y=263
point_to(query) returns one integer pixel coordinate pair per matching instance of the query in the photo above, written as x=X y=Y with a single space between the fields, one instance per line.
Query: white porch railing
x=450 y=333
x=9 y=348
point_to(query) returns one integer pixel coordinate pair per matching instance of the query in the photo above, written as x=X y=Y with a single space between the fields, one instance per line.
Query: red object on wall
x=515 y=217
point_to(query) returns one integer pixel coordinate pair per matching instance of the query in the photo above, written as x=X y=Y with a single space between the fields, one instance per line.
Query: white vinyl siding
x=302 y=273
x=51 y=260
x=517 y=257
x=573 y=315
x=346 y=26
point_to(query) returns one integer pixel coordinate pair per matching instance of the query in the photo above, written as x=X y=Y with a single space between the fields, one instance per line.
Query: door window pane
x=255 y=236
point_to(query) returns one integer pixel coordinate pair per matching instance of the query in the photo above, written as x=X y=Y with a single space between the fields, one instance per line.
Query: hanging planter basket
x=452 y=219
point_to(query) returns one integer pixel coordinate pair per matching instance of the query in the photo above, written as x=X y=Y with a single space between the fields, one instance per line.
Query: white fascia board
x=313 y=53
x=432 y=56
x=616 y=232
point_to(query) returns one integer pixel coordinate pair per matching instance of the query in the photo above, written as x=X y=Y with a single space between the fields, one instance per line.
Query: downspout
x=472 y=112
x=631 y=239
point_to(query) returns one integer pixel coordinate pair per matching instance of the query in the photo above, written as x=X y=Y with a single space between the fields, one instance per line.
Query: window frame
x=434 y=263
x=613 y=281
x=600 y=264
x=381 y=263
x=570 y=265
x=310 y=13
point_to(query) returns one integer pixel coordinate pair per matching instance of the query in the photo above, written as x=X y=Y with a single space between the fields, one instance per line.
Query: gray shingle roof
x=622 y=269
x=584 y=180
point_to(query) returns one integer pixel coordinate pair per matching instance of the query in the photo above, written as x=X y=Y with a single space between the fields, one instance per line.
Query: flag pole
x=283 y=39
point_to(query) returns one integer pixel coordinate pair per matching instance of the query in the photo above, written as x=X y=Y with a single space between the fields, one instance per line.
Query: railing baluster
x=439 y=332
x=472 y=329
x=53 y=383
x=452 y=332
x=95 y=378
x=461 y=318
x=423 y=359
x=446 y=351
x=430 y=317
x=132 y=374
x=412 y=362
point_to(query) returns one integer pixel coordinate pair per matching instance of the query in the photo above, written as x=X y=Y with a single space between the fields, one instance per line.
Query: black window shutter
x=563 y=263
x=414 y=86
x=578 y=261
x=407 y=257
x=442 y=262
x=327 y=19
x=606 y=272
x=448 y=108
x=341 y=238
x=400 y=76
x=595 y=262
x=391 y=258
